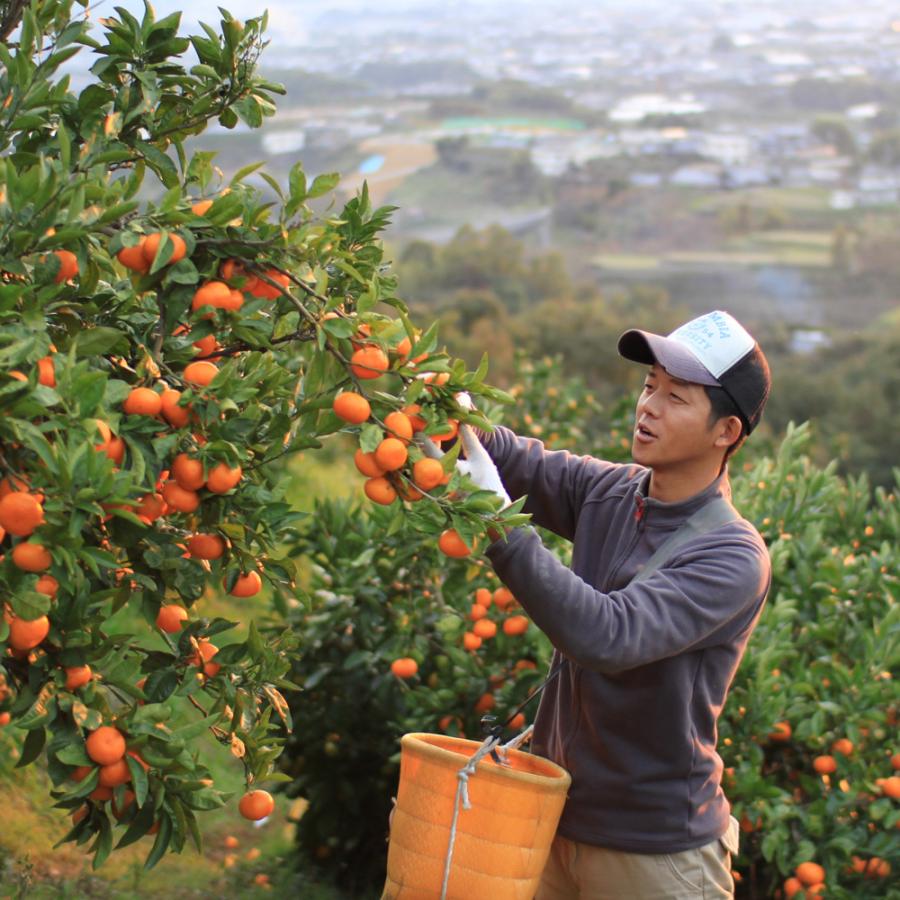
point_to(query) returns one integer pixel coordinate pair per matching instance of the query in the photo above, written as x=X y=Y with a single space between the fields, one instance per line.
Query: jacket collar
x=661 y=513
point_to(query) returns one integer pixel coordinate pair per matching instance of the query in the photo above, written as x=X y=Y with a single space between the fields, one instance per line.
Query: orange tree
x=158 y=359
x=808 y=736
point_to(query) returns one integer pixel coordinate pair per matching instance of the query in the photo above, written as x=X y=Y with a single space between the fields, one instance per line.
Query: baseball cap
x=713 y=349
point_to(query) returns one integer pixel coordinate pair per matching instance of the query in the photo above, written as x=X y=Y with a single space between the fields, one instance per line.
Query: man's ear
x=729 y=430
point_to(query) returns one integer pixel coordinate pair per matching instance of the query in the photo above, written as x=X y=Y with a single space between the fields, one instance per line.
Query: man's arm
x=685 y=605
x=555 y=481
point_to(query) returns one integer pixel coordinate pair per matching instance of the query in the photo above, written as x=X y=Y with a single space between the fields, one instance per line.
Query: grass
x=790 y=199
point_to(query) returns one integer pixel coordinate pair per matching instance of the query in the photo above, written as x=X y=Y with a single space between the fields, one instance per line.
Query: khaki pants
x=577 y=871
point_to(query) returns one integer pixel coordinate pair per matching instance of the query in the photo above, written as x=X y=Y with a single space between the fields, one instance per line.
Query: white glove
x=478 y=464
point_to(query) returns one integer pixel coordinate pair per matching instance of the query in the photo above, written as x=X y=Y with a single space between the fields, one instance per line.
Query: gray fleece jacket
x=647 y=666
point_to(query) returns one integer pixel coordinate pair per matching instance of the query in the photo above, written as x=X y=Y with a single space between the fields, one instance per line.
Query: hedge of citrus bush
x=808 y=736
x=159 y=358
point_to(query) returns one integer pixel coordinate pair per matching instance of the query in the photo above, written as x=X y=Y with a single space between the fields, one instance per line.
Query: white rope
x=462 y=788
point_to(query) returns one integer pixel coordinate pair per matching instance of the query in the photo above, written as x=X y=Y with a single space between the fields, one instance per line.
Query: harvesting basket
x=502 y=841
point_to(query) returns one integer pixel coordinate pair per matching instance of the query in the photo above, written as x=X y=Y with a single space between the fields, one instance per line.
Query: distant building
x=807 y=340
x=639 y=106
x=728 y=149
x=706 y=175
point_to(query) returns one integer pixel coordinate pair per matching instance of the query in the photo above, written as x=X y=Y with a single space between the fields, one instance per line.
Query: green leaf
x=139 y=781
x=103 y=844
x=32 y=747
x=322 y=184
x=100 y=341
x=161 y=844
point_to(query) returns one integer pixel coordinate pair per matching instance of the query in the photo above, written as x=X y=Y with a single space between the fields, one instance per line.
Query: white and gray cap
x=714 y=349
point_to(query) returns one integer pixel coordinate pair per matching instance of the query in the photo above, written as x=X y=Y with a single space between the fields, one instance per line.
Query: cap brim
x=675 y=358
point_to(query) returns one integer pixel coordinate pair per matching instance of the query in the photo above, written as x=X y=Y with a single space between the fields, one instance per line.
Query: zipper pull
x=639 y=508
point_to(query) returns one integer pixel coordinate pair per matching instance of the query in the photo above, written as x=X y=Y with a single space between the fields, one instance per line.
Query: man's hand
x=478 y=464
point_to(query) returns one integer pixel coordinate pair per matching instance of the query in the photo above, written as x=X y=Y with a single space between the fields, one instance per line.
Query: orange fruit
x=405 y=667
x=408 y=492
x=451 y=544
x=369 y=362
x=68 y=265
x=179 y=499
x=411 y=413
x=524 y=664
x=844 y=746
x=895 y=761
x=77 y=676
x=391 y=454
x=792 y=887
x=380 y=490
x=79 y=814
x=133 y=753
x=483 y=597
x=403 y=348
x=153 y=241
x=173 y=413
x=133 y=258
x=825 y=765
x=215 y=294
x=781 y=733
x=25 y=634
x=201 y=207
x=503 y=597
x=427 y=473
x=485 y=703
x=106 y=745
x=207 y=346
x=351 y=407
x=484 y=628
x=5 y=719
x=114 y=774
x=449 y=434
x=890 y=787
x=143 y=402
x=400 y=426
x=200 y=373
x=31 y=557
x=205 y=652
x=471 y=641
x=151 y=507
x=115 y=450
x=222 y=478
x=170 y=618
x=231 y=842
x=477 y=612
x=515 y=625
x=248 y=585
x=256 y=805
x=877 y=868
x=810 y=873
x=517 y=721
x=47 y=585
x=266 y=291
x=188 y=472
x=79 y=773
x=205 y=546
x=20 y=513
x=46 y=372
x=366 y=465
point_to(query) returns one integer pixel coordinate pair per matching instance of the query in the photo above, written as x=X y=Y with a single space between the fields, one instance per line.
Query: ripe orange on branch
x=133 y=257
x=105 y=745
x=380 y=490
x=180 y=499
x=351 y=407
x=77 y=676
x=222 y=478
x=399 y=425
x=188 y=472
x=405 y=667
x=369 y=362
x=20 y=513
x=391 y=454
x=26 y=634
x=451 y=544
x=114 y=774
x=515 y=625
x=256 y=805
x=143 y=402
x=203 y=656
x=68 y=265
x=31 y=557
x=810 y=873
x=153 y=241
x=200 y=373
x=170 y=618
x=427 y=473
x=248 y=585
x=205 y=546
x=366 y=465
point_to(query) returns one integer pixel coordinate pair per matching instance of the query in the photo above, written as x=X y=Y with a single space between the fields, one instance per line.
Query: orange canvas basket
x=501 y=842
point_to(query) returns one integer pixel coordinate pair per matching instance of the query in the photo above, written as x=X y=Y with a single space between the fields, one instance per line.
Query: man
x=646 y=663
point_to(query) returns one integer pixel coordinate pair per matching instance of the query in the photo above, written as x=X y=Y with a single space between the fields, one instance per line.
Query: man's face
x=671 y=423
